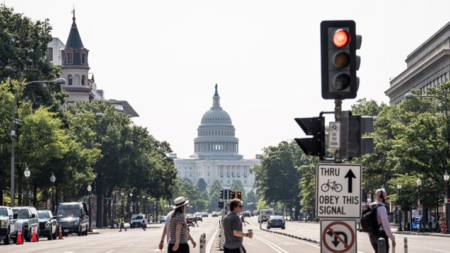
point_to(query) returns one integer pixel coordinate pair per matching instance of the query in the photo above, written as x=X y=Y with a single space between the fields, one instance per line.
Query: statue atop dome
x=216 y=94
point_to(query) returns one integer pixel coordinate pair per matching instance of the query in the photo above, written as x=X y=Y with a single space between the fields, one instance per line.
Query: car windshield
x=3 y=212
x=276 y=217
x=67 y=213
x=189 y=215
x=23 y=213
x=43 y=215
x=137 y=217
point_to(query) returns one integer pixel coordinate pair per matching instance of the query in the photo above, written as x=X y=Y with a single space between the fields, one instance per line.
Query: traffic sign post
x=338 y=190
x=338 y=236
x=334 y=140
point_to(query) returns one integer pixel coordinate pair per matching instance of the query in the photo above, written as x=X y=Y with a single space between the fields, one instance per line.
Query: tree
x=214 y=202
x=216 y=186
x=201 y=184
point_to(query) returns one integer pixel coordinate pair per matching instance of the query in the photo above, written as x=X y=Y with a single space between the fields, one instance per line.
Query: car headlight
x=4 y=224
x=48 y=224
x=131 y=222
x=76 y=222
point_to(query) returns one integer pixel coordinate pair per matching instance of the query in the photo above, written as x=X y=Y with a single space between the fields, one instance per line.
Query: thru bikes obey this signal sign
x=338 y=190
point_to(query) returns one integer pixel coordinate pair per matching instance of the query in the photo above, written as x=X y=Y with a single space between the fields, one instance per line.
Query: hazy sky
x=165 y=57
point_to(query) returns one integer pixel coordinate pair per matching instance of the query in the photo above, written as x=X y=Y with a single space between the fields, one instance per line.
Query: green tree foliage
x=216 y=186
x=214 y=202
x=201 y=184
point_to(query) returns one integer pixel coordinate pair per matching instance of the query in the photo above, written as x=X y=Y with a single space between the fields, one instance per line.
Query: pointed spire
x=74 y=40
x=216 y=100
x=216 y=94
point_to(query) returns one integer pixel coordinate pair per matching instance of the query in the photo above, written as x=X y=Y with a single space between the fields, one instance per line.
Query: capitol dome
x=216 y=135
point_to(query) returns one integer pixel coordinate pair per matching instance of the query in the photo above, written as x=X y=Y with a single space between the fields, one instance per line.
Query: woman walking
x=178 y=230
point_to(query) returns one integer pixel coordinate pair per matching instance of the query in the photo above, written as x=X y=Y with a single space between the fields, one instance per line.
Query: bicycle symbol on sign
x=331 y=185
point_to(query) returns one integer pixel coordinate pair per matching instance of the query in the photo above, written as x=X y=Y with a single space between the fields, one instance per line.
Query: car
x=6 y=220
x=276 y=221
x=136 y=220
x=73 y=218
x=205 y=214
x=48 y=225
x=265 y=214
x=25 y=217
x=247 y=214
x=199 y=216
x=215 y=214
x=189 y=218
x=162 y=219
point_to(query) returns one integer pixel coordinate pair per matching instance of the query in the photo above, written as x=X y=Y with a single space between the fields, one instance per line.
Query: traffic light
x=221 y=193
x=316 y=127
x=232 y=195
x=239 y=195
x=357 y=145
x=220 y=204
x=339 y=43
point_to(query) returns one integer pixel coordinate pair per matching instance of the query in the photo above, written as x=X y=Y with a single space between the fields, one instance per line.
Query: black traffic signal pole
x=337 y=117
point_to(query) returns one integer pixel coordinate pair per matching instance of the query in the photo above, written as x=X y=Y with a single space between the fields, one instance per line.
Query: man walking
x=232 y=226
x=122 y=224
x=382 y=218
x=144 y=223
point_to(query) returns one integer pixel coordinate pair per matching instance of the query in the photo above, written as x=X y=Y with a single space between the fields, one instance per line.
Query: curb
x=293 y=236
x=422 y=234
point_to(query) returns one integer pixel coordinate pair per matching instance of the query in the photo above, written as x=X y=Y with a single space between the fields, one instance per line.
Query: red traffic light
x=341 y=38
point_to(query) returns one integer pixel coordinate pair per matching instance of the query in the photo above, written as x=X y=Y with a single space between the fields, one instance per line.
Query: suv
x=136 y=220
x=6 y=219
x=27 y=217
x=48 y=225
x=205 y=214
x=73 y=218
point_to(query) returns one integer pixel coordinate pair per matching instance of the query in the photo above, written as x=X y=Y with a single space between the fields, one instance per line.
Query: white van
x=264 y=214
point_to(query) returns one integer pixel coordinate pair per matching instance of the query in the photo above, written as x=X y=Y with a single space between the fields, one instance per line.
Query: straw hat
x=180 y=201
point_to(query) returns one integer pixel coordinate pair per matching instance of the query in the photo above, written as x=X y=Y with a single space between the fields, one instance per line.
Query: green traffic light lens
x=341 y=60
x=342 y=82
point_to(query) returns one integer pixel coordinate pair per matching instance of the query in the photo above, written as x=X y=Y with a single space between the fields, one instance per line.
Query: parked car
x=215 y=214
x=162 y=219
x=6 y=220
x=205 y=214
x=26 y=218
x=247 y=214
x=189 y=221
x=48 y=225
x=136 y=220
x=276 y=221
x=199 y=216
x=73 y=218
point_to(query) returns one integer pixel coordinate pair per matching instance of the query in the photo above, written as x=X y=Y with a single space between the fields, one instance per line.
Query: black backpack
x=369 y=221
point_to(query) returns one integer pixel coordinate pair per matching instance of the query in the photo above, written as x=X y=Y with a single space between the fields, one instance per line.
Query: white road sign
x=335 y=135
x=338 y=190
x=338 y=236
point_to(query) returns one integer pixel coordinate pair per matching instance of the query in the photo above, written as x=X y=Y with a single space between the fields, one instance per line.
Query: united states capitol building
x=216 y=152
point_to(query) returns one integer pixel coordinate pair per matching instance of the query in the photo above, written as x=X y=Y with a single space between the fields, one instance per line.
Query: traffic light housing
x=239 y=195
x=312 y=145
x=232 y=194
x=339 y=43
x=220 y=204
x=357 y=145
x=221 y=193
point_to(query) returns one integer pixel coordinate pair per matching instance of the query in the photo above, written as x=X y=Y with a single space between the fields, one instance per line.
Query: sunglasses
x=240 y=206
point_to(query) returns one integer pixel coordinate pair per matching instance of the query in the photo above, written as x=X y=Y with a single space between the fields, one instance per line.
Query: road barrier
x=202 y=243
x=405 y=242
x=221 y=242
x=33 y=236
x=19 y=240
x=60 y=236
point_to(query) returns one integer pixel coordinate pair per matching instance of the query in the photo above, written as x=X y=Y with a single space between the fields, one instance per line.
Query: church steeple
x=74 y=40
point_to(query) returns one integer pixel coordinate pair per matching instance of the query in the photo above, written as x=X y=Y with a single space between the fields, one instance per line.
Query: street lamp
x=13 y=132
x=132 y=207
x=53 y=179
x=399 y=186
x=419 y=183
x=143 y=200
x=89 y=188
x=113 y=196
x=121 y=194
x=446 y=177
x=27 y=174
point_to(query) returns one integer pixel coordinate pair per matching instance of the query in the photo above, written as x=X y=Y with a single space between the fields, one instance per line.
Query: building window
x=69 y=58
x=50 y=54
x=245 y=182
x=190 y=174
x=83 y=58
x=70 y=80
x=83 y=77
x=208 y=176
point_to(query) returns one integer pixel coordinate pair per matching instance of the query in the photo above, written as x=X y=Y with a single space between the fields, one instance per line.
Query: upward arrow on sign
x=350 y=176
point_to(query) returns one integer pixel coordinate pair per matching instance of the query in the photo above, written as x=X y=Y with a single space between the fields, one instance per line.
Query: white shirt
x=383 y=219
x=167 y=224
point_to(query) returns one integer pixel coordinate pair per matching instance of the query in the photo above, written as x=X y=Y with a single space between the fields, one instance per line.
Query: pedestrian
x=122 y=224
x=195 y=221
x=243 y=221
x=166 y=230
x=232 y=226
x=382 y=218
x=144 y=224
x=178 y=229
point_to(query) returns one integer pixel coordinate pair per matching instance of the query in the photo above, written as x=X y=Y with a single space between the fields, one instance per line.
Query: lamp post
x=27 y=174
x=13 y=132
x=447 y=205
x=399 y=186
x=121 y=194
x=53 y=179
x=89 y=188
x=131 y=206
x=113 y=195
x=154 y=207
x=419 y=183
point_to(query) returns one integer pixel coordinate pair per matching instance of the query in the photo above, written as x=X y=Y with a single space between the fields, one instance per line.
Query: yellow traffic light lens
x=341 y=38
x=341 y=60
x=342 y=82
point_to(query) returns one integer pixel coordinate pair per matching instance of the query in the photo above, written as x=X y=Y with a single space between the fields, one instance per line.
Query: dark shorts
x=184 y=248
x=238 y=250
x=374 y=240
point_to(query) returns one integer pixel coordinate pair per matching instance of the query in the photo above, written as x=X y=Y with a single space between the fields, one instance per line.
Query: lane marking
x=297 y=240
x=270 y=244
x=131 y=245
x=211 y=241
x=109 y=251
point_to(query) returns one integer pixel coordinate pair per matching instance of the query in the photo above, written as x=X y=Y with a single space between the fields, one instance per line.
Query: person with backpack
x=375 y=221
